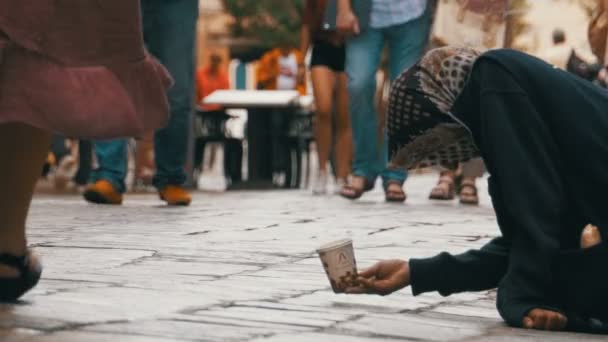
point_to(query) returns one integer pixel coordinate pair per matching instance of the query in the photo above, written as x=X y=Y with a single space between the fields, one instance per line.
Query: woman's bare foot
x=545 y=320
x=590 y=237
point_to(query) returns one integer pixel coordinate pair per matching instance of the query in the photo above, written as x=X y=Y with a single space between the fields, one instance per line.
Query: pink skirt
x=95 y=102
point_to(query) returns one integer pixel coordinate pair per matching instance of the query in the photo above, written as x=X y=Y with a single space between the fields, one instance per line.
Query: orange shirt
x=267 y=71
x=207 y=83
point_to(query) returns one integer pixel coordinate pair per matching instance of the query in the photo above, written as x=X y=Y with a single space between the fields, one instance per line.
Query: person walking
x=281 y=68
x=169 y=30
x=329 y=83
x=404 y=25
x=213 y=120
x=82 y=72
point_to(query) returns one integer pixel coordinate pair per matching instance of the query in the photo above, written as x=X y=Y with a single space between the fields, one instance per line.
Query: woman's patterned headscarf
x=421 y=130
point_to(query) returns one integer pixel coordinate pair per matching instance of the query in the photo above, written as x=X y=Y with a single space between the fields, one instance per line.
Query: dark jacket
x=542 y=134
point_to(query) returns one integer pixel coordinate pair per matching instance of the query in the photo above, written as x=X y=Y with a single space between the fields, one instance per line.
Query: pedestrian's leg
x=169 y=31
x=85 y=162
x=406 y=45
x=108 y=180
x=323 y=82
x=112 y=163
x=445 y=188
x=471 y=170
x=233 y=154
x=281 y=154
x=26 y=147
x=362 y=58
x=344 y=134
x=199 y=153
x=144 y=160
x=58 y=148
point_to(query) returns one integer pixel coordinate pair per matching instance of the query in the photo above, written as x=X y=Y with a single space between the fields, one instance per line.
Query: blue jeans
x=406 y=43
x=169 y=33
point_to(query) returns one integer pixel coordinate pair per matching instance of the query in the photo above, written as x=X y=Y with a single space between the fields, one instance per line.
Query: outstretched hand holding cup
x=384 y=278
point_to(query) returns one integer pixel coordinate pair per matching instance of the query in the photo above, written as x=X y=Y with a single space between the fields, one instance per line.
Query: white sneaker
x=320 y=187
x=340 y=183
x=65 y=172
x=279 y=179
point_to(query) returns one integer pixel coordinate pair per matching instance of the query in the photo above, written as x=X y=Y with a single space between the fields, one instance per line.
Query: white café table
x=253 y=98
x=260 y=106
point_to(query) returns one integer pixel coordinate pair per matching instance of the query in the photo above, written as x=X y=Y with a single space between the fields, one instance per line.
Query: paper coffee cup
x=338 y=259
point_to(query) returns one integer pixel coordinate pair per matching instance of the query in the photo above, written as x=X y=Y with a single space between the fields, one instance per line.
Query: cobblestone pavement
x=241 y=266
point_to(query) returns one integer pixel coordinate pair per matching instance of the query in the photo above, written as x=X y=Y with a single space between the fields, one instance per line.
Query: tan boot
x=102 y=192
x=175 y=195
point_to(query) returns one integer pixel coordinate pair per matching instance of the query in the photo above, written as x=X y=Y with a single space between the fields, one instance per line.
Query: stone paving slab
x=241 y=266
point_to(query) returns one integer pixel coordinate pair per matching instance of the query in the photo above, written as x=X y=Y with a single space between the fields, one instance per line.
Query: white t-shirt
x=558 y=55
x=288 y=73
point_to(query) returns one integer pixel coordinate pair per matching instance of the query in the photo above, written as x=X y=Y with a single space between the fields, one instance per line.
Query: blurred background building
x=541 y=17
x=244 y=29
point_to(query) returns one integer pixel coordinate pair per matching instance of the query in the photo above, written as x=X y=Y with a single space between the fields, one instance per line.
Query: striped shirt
x=394 y=12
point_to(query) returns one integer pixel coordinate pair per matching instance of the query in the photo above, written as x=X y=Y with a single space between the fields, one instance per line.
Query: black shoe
x=13 y=288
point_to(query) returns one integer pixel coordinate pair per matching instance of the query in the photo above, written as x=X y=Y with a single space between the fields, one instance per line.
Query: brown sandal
x=468 y=193
x=439 y=192
x=352 y=193
x=397 y=196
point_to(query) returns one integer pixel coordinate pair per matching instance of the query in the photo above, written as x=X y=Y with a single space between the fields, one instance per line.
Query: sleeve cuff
x=425 y=274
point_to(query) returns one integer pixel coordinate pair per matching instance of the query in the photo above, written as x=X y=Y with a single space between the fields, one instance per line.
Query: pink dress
x=79 y=68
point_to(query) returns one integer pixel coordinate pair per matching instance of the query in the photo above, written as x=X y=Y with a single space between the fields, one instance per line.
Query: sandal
x=468 y=193
x=440 y=192
x=394 y=195
x=352 y=193
x=13 y=288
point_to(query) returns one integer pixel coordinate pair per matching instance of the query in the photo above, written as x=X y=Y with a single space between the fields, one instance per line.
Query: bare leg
x=344 y=134
x=144 y=164
x=323 y=80
x=26 y=147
